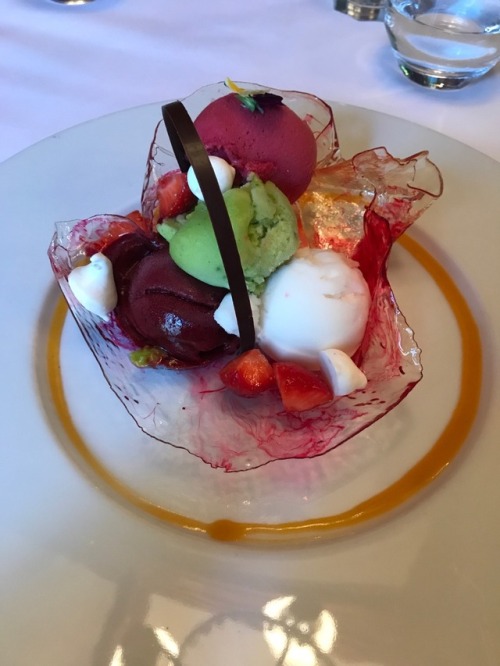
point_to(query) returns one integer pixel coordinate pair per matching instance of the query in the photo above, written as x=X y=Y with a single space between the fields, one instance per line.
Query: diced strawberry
x=248 y=374
x=113 y=230
x=300 y=388
x=174 y=195
x=137 y=217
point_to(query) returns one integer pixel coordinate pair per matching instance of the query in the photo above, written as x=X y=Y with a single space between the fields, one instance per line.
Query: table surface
x=62 y=65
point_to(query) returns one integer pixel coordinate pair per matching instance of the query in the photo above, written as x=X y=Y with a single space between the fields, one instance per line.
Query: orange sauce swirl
x=431 y=465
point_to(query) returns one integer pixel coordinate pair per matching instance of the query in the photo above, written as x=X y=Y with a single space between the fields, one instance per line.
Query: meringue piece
x=93 y=285
x=225 y=315
x=341 y=372
x=224 y=173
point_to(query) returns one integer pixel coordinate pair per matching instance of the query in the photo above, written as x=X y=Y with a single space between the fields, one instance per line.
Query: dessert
x=161 y=306
x=265 y=228
x=256 y=139
x=94 y=285
x=317 y=301
x=312 y=382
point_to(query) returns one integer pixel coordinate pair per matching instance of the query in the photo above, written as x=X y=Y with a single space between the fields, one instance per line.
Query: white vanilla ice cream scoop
x=93 y=285
x=318 y=300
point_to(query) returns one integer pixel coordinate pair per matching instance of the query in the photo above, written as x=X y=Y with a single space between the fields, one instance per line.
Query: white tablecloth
x=62 y=65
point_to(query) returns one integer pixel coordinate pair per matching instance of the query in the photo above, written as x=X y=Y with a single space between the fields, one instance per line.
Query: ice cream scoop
x=162 y=306
x=265 y=228
x=319 y=300
x=259 y=142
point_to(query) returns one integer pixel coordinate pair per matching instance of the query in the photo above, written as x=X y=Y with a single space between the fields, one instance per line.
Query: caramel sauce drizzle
x=430 y=466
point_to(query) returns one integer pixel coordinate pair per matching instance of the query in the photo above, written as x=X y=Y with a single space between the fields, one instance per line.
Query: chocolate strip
x=189 y=150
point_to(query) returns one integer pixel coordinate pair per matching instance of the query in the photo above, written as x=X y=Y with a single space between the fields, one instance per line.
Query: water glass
x=444 y=44
x=362 y=10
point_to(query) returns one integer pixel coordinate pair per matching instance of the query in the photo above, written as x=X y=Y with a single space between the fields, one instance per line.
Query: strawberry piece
x=174 y=195
x=113 y=230
x=248 y=374
x=137 y=217
x=300 y=388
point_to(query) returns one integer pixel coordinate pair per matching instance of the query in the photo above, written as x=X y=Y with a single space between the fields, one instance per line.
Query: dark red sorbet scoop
x=160 y=305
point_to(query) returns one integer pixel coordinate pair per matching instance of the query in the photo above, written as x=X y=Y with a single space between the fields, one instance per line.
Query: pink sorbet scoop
x=274 y=143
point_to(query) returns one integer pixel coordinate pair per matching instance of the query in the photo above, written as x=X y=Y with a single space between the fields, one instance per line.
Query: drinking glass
x=444 y=43
x=72 y=2
x=362 y=10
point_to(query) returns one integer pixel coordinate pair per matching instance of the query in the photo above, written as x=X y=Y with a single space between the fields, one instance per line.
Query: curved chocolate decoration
x=190 y=151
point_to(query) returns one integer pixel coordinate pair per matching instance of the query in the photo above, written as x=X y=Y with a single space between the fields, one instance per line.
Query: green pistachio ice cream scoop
x=265 y=228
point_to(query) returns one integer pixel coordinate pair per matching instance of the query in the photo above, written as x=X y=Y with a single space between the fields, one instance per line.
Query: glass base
x=362 y=10
x=72 y=2
x=438 y=80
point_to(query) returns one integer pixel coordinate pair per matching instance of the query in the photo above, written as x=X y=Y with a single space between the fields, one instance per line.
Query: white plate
x=90 y=576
